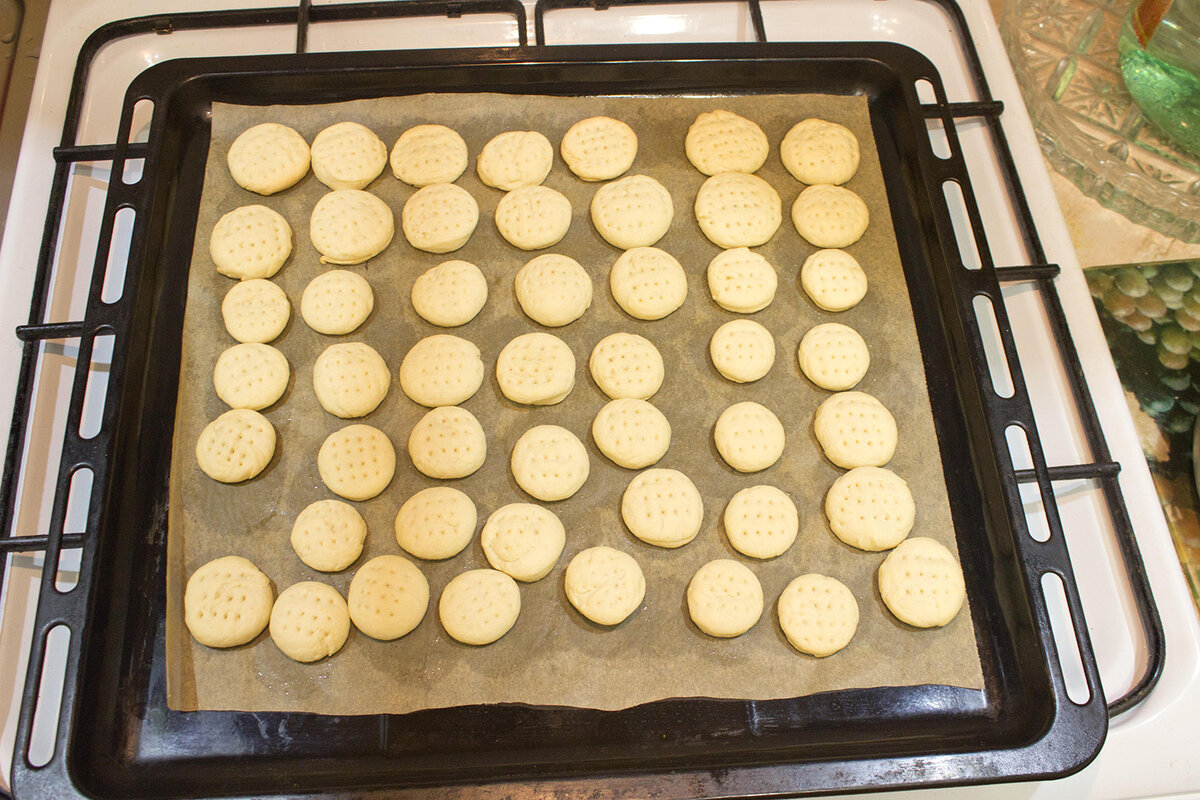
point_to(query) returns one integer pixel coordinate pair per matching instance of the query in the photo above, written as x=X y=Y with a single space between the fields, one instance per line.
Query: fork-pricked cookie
x=741 y=280
x=514 y=159
x=833 y=280
x=549 y=463
x=347 y=155
x=749 y=436
x=855 y=430
x=830 y=216
x=536 y=369
x=251 y=376
x=662 y=507
x=870 y=508
x=724 y=598
x=236 y=446
x=428 y=154
x=479 y=606
x=328 y=535
x=742 y=350
x=388 y=597
x=819 y=151
x=356 y=462
x=255 y=310
x=523 y=541
x=309 y=621
x=761 y=522
x=648 y=283
x=439 y=218
x=922 y=583
x=632 y=212
x=833 y=356
x=626 y=365
x=605 y=585
x=447 y=443
x=722 y=141
x=350 y=226
x=441 y=370
x=250 y=242
x=268 y=158
x=436 y=523
x=631 y=433
x=450 y=294
x=735 y=209
x=227 y=602
x=336 y=302
x=553 y=290
x=350 y=379
x=599 y=148
x=533 y=217
x=818 y=614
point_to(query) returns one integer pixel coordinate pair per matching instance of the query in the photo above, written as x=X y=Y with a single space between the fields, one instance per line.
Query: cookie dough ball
x=742 y=281
x=436 y=523
x=662 y=507
x=819 y=151
x=251 y=376
x=255 y=311
x=735 y=209
x=870 y=508
x=724 y=598
x=388 y=597
x=350 y=379
x=429 y=154
x=626 y=365
x=855 y=430
x=441 y=370
x=523 y=541
x=336 y=302
x=356 y=462
x=347 y=155
x=350 y=226
x=309 y=621
x=605 y=585
x=533 y=217
x=450 y=294
x=818 y=614
x=250 y=242
x=833 y=280
x=553 y=290
x=599 y=148
x=227 y=602
x=549 y=463
x=536 y=369
x=447 y=443
x=648 y=283
x=268 y=158
x=439 y=218
x=236 y=446
x=834 y=356
x=722 y=141
x=922 y=583
x=749 y=436
x=830 y=216
x=480 y=606
x=515 y=159
x=742 y=350
x=631 y=433
x=632 y=212
x=328 y=535
x=761 y=522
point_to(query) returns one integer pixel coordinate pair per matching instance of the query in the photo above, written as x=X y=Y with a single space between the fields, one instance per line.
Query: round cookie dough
x=536 y=369
x=350 y=226
x=761 y=522
x=436 y=523
x=336 y=302
x=255 y=310
x=721 y=141
x=514 y=159
x=356 y=462
x=251 y=376
x=605 y=585
x=328 y=535
x=742 y=350
x=227 y=602
x=818 y=614
x=632 y=212
x=749 y=437
x=833 y=280
x=309 y=621
x=388 y=597
x=855 y=430
x=830 y=216
x=479 y=606
x=870 y=508
x=347 y=155
x=599 y=148
x=553 y=290
x=662 y=507
x=268 y=158
x=236 y=446
x=742 y=281
x=549 y=462
x=441 y=370
x=724 y=598
x=819 y=151
x=447 y=442
x=523 y=541
x=626 y=365
x=439 y=218
x=350 y=379
x=450 y=294
x=922 y=583
x=735 y=209
x=250 y=242
x=429 y=154
x=631 y=433
x=533 y=217
x=648 y=283
x=833 y=356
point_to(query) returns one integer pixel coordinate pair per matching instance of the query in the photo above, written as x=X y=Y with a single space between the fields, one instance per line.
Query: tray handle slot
x=963 y=219
x=42 y=740
x=985 y=318
x=96 y=389
x=112 y=288
x=1070 y=663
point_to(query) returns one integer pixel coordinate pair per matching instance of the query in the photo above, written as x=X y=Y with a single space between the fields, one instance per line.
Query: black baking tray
x=117 y=738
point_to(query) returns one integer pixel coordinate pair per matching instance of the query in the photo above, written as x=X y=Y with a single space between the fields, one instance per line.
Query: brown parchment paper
x=554 y=657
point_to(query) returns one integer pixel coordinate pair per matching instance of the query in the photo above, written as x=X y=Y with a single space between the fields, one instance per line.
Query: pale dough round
x=830 y=216
x=536 y=369
x=761 y=522
x=450 y=294
x=441 y=370
x=251 y=376
x=347 y=155
x=250 y=242
x=741 y=280
x=388 y=597
x=553 y=290
x=735 y=209
x=833 y=280
x=439 y=218
x=227 y=602
x=236 y=446
x=834 y=356
x=515 y=159
x=626 y=365
x=268 y=158
x=436 y=523
x=350 y=379
x=605 y=585
x=350 y=226
x=749 y=436
x=722 y=141
x=336 y=302
x=922 y=583
x=328 y=535
x=356 y=462
x=599 y=148
x=648 y=283
x=309 y=621
x=255 y=310
x=479 y=606
x=818 y=614
x=819 y=151
x=632 y=212
x=428 y=154
x=662 y=507
x=742 y=350
x=533 y=217
x=631 y=433
x=855 y=430
x=549 y=462
x=447 y=442
x=870 y=508
x=523 y=541
x=724 y=598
